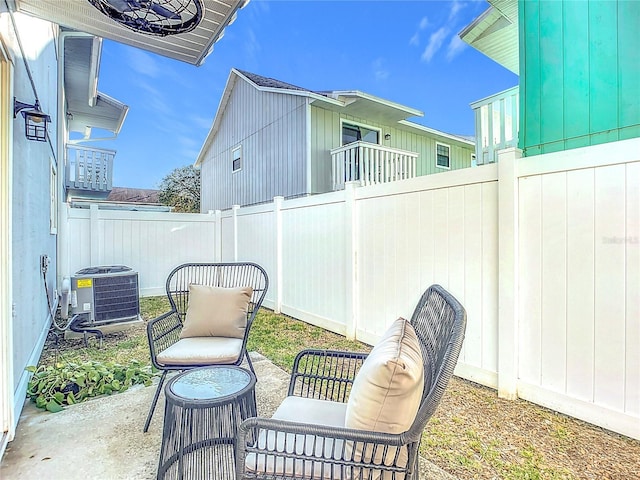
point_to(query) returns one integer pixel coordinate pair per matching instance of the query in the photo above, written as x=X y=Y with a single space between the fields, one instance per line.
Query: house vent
x=106 y=294
x=153 y=17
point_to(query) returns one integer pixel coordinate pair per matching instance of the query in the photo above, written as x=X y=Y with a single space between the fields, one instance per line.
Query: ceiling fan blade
x=164 y=12
x=123 y=5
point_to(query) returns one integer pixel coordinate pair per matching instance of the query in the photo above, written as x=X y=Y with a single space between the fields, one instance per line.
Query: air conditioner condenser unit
x=105 y=295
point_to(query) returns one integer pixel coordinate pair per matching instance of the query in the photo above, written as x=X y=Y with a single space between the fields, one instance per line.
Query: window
x=352 y=132
x=236 y=155
x=442 y=156
x=53 y=198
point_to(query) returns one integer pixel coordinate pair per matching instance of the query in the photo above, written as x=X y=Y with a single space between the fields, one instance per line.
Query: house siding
x=579 y=64
x=326 y=136
x=271 y=128
x=30 y=235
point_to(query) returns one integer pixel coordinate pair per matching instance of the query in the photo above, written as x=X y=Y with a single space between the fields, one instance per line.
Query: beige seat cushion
x=387 y=391
x=305 y=410
x=216 y=311
x=201 y=351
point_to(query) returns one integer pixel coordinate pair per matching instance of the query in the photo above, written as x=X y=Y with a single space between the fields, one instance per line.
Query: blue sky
x=404 y=51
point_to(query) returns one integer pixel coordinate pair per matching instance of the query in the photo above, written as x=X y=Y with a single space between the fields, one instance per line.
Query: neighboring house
x=121 y=198
x=270 y=138
x=579 y=68
x=134 y=195
x=46 y=58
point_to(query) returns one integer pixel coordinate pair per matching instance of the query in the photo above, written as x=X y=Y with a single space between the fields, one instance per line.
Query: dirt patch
x=475 y=434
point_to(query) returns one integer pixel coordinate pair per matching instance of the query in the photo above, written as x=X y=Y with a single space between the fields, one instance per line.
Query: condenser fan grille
x=153 y=17
x=115 y=297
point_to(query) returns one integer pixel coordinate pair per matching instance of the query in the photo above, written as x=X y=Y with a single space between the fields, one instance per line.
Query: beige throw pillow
x=216 y=312
x=387 y=390
x=385 y=397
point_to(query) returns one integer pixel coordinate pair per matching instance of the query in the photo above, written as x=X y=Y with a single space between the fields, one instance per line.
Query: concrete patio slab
x=103 y=438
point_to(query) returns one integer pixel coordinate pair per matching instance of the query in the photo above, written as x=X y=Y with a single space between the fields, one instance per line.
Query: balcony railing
x=370 y=164
x=89 y=171
x=497 y=124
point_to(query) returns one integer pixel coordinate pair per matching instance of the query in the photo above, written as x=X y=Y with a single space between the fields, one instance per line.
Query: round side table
x=203 y=408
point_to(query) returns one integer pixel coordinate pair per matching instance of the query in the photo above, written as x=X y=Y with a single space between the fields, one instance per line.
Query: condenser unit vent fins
x=115 y=297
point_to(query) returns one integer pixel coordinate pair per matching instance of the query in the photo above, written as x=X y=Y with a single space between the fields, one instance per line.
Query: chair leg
x=155 y=401
x=250 y=364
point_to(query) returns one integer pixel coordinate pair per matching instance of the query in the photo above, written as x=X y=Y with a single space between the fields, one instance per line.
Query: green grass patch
x=280 y=338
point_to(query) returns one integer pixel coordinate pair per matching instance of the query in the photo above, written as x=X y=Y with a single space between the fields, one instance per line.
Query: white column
x=508 y=343
x=278 y=281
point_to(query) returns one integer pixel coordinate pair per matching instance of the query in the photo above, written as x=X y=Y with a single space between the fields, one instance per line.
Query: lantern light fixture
x=35 y=120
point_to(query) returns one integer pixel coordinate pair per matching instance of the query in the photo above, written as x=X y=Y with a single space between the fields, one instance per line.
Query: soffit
x=495 y=33
x=190 y=47
x=369 y=107
x=86 y=107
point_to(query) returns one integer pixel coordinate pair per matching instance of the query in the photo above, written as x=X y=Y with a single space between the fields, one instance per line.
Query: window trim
x=360 y=124
x=233 y=151
x=448 y=166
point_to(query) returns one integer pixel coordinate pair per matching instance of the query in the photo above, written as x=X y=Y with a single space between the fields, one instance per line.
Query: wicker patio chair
x=322 y=450
x=164 y=331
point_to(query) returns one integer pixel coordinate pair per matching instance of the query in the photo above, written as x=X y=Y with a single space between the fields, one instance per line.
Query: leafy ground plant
x=53 y=386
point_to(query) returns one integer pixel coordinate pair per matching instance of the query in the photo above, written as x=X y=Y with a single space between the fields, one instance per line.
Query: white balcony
x=370 y=164
x=497 y=124
x=89 y=171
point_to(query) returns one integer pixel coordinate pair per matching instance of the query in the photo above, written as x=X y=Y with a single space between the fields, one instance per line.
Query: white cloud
x=455 y=47
x=456 y=6
x=415 y=40
x=435 y=42
x=143 y=62
x=379 y=71
x=252 y=45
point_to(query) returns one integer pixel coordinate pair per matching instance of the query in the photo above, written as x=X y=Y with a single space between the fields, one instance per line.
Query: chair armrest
x=325 y=374
x=309 y=451
x=162 y=332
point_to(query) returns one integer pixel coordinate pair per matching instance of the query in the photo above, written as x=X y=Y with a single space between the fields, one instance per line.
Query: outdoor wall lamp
x=387 y=136
x=35 y=121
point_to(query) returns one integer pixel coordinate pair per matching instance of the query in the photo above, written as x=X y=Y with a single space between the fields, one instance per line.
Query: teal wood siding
x=326 y=135
x=270 y=127
x=580 y=73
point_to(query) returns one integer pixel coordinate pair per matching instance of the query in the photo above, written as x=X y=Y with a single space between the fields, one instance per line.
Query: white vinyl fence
x=543 y=252
x=151 y=243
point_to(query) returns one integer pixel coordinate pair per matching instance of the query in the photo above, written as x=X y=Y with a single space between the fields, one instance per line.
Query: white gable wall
x=270 y=128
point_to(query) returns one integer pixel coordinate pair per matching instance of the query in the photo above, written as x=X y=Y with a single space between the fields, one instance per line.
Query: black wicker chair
x=164 y=331
x=305 y=450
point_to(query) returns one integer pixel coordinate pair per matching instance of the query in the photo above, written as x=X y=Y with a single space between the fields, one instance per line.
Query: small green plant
x=53 y=386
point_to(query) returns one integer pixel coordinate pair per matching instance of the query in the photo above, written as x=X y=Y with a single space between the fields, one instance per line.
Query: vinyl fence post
x=277 y=206
x=94 y=235
x=351 y=230
x=217 y=253
x=235 y=209
x=508 y=341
